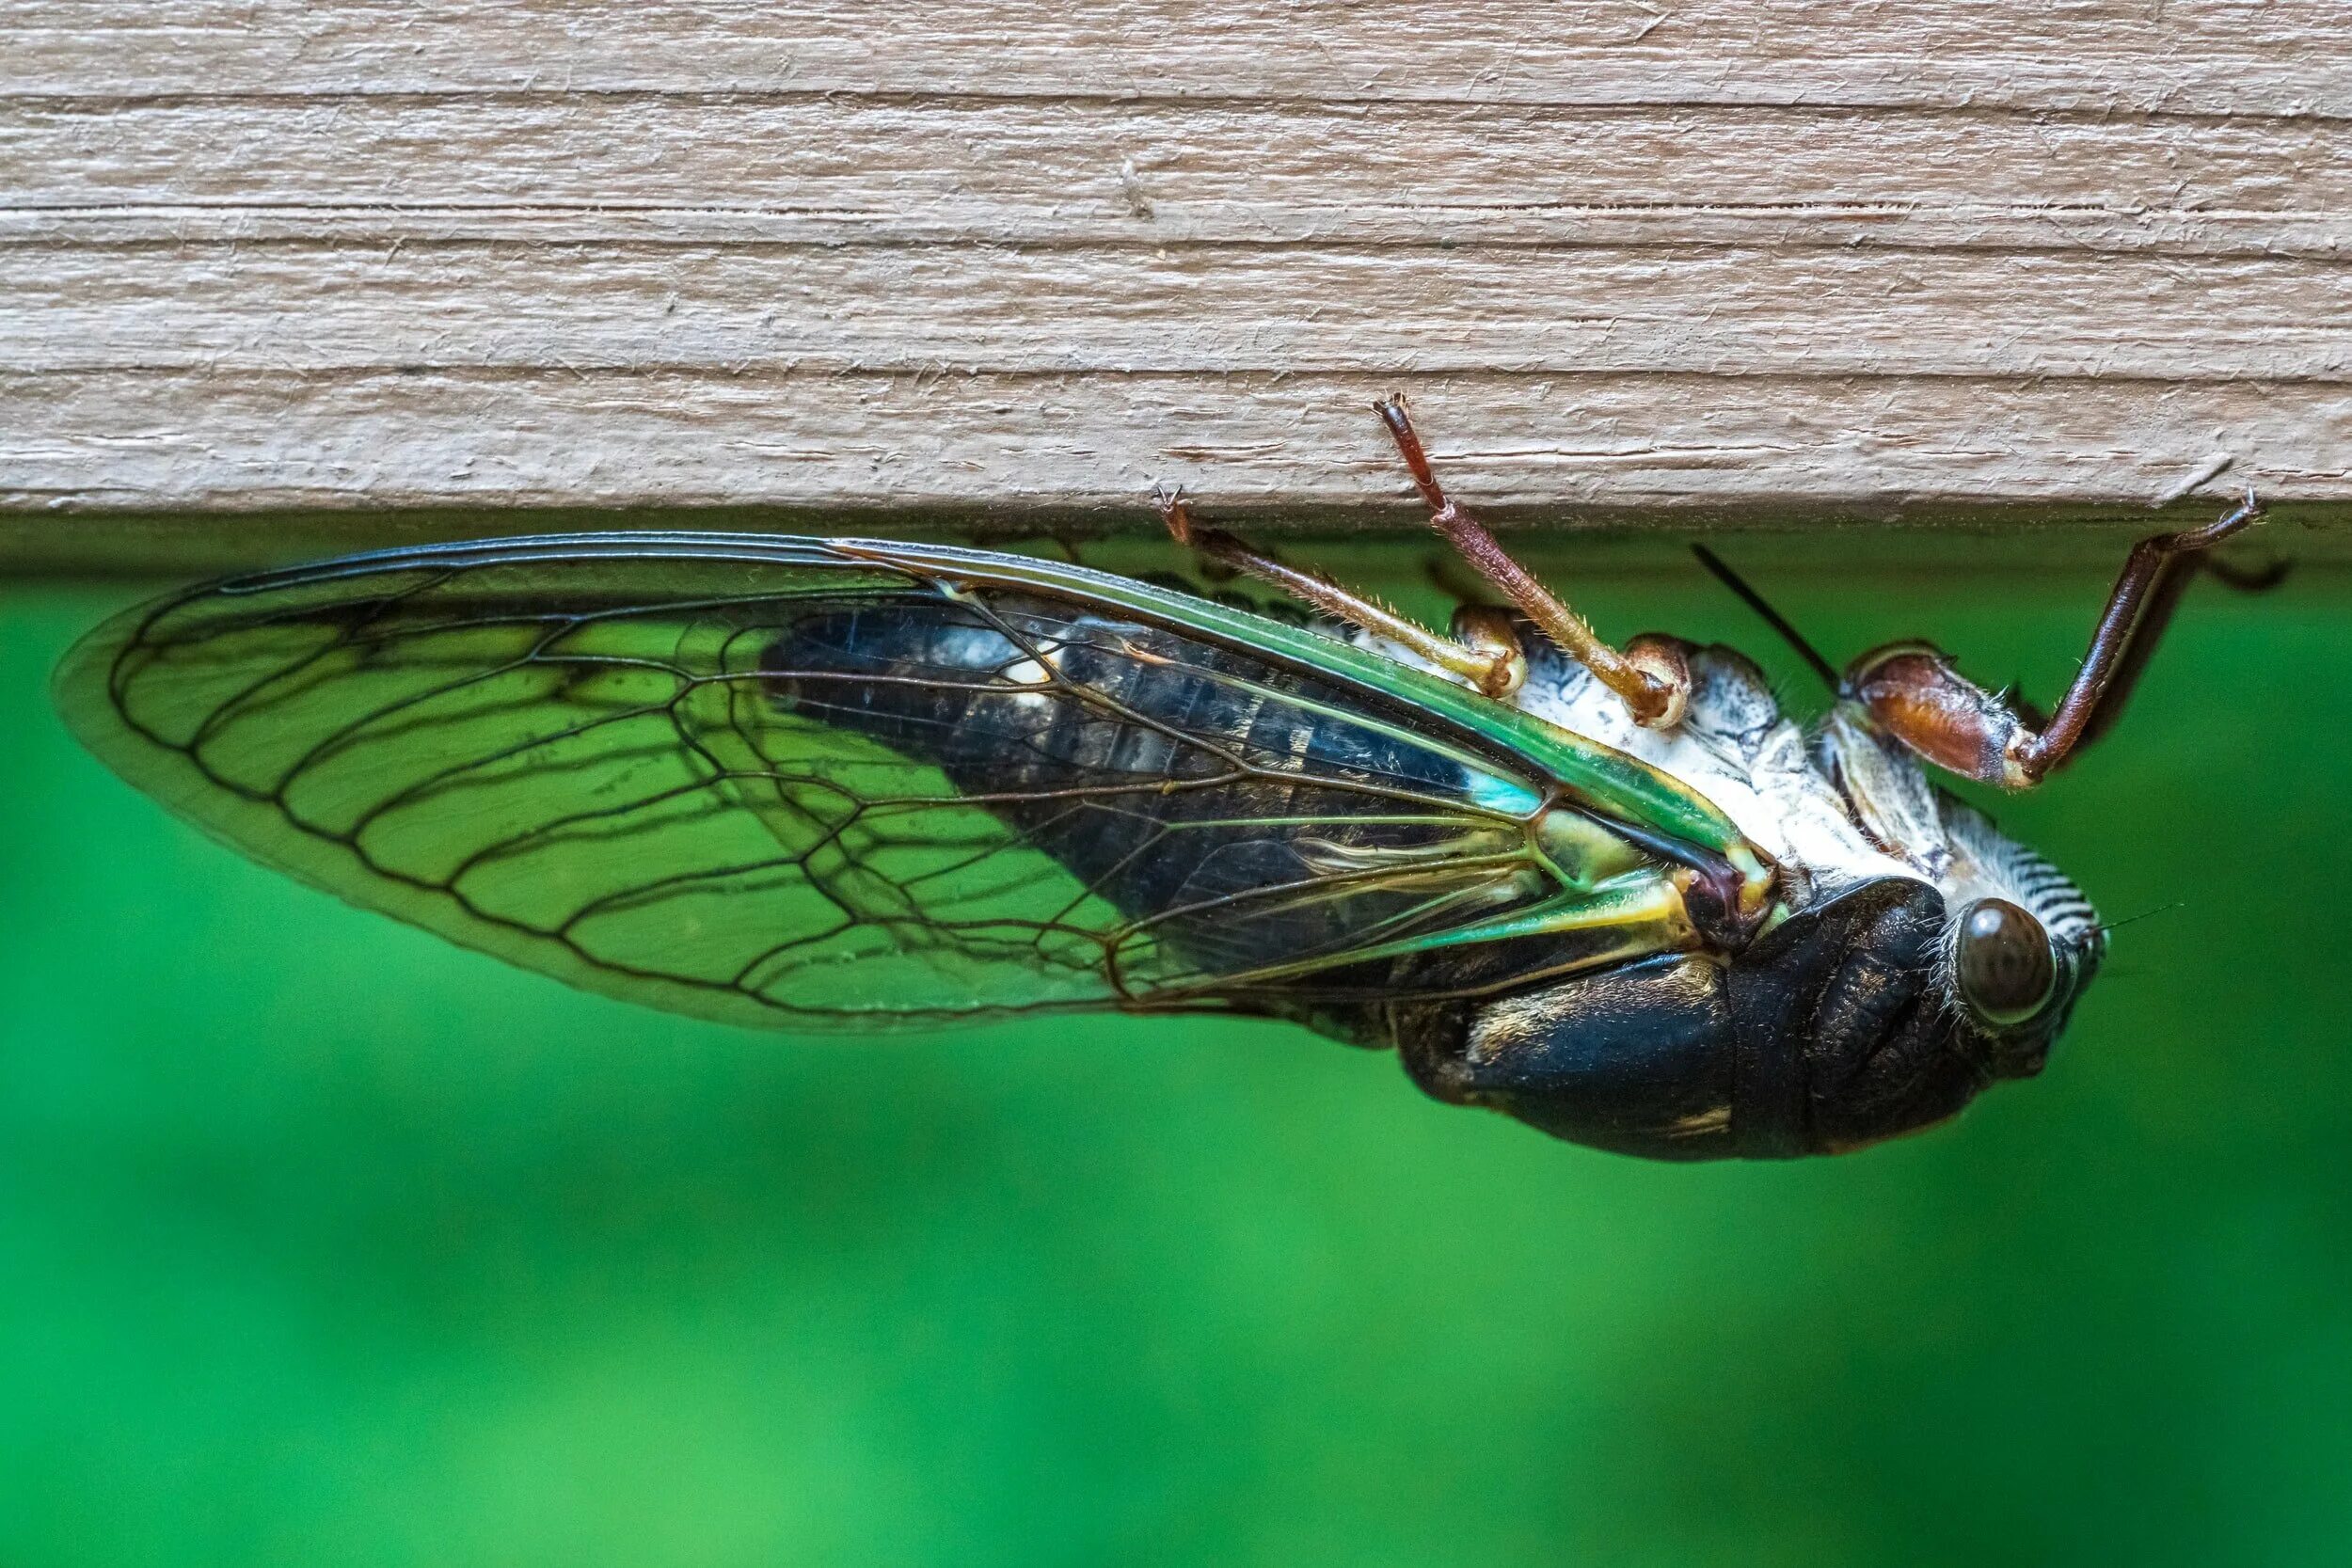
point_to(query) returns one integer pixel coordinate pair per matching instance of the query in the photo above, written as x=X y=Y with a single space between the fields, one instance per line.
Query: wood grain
x=1631 y=261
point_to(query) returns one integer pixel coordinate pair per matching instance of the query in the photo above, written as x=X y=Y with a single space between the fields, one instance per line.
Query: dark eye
x=2006 y=971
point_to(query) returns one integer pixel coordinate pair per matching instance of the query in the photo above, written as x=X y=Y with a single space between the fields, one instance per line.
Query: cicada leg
x=1913 y=692
x=1651 y=674
x=1483 y=650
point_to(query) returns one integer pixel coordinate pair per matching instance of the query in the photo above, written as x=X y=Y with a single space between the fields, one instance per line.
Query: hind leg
x=1481 y=652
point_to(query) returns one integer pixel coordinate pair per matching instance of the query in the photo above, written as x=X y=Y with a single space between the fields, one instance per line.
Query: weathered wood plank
x=1709 y=259
x=1588 y=446
x=2178 y=56
x=1198 y=310
x=835 y=170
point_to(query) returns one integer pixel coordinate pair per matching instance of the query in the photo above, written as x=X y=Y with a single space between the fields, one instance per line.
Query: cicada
x=1614 y=892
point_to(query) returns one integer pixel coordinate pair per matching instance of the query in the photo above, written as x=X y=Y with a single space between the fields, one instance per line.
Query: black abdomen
x=1214 y=796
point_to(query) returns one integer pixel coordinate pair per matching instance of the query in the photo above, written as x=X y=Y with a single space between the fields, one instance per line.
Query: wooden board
x=1644 y=263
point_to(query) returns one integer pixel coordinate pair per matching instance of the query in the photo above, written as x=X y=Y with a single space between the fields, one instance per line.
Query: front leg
x=1913 y=692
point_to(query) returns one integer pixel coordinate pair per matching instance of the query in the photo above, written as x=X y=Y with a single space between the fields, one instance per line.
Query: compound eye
x=2005 y=969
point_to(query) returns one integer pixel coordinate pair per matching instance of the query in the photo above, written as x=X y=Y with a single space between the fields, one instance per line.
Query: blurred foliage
x=322 y=1243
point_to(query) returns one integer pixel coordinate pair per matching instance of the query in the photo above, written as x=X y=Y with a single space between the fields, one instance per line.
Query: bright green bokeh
x=322 y=1243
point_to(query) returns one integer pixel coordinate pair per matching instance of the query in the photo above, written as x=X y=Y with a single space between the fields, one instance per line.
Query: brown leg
x=2178 y=573
x=1914 y=694
x=1486 y=654
x=1650 y=675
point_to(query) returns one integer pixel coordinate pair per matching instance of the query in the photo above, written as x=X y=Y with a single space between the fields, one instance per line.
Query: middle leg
x=1651 y=675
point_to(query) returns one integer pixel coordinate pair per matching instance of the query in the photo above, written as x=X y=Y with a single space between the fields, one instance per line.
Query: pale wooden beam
x=1679 y=262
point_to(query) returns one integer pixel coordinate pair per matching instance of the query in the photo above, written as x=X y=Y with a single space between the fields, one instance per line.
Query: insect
x=1612 y=892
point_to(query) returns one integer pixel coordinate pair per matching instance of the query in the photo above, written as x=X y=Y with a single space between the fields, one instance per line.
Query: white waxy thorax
x=1735 y=747
x=1760 y=768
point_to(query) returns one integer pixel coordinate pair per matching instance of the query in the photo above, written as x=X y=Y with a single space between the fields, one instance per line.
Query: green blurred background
x=322 y=1243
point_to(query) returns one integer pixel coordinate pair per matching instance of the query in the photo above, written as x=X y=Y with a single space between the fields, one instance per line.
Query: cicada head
x=2020 y=944
x=2019 y=940
x=1899 y=1000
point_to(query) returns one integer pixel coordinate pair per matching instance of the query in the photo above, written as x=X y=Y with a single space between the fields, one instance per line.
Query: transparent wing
x=782 y=783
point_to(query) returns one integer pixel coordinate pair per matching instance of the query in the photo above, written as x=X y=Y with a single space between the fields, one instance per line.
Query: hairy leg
x=1483 y=652
x=1651 y=674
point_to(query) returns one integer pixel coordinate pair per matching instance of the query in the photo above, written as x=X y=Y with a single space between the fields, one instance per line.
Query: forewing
x=780 y=782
